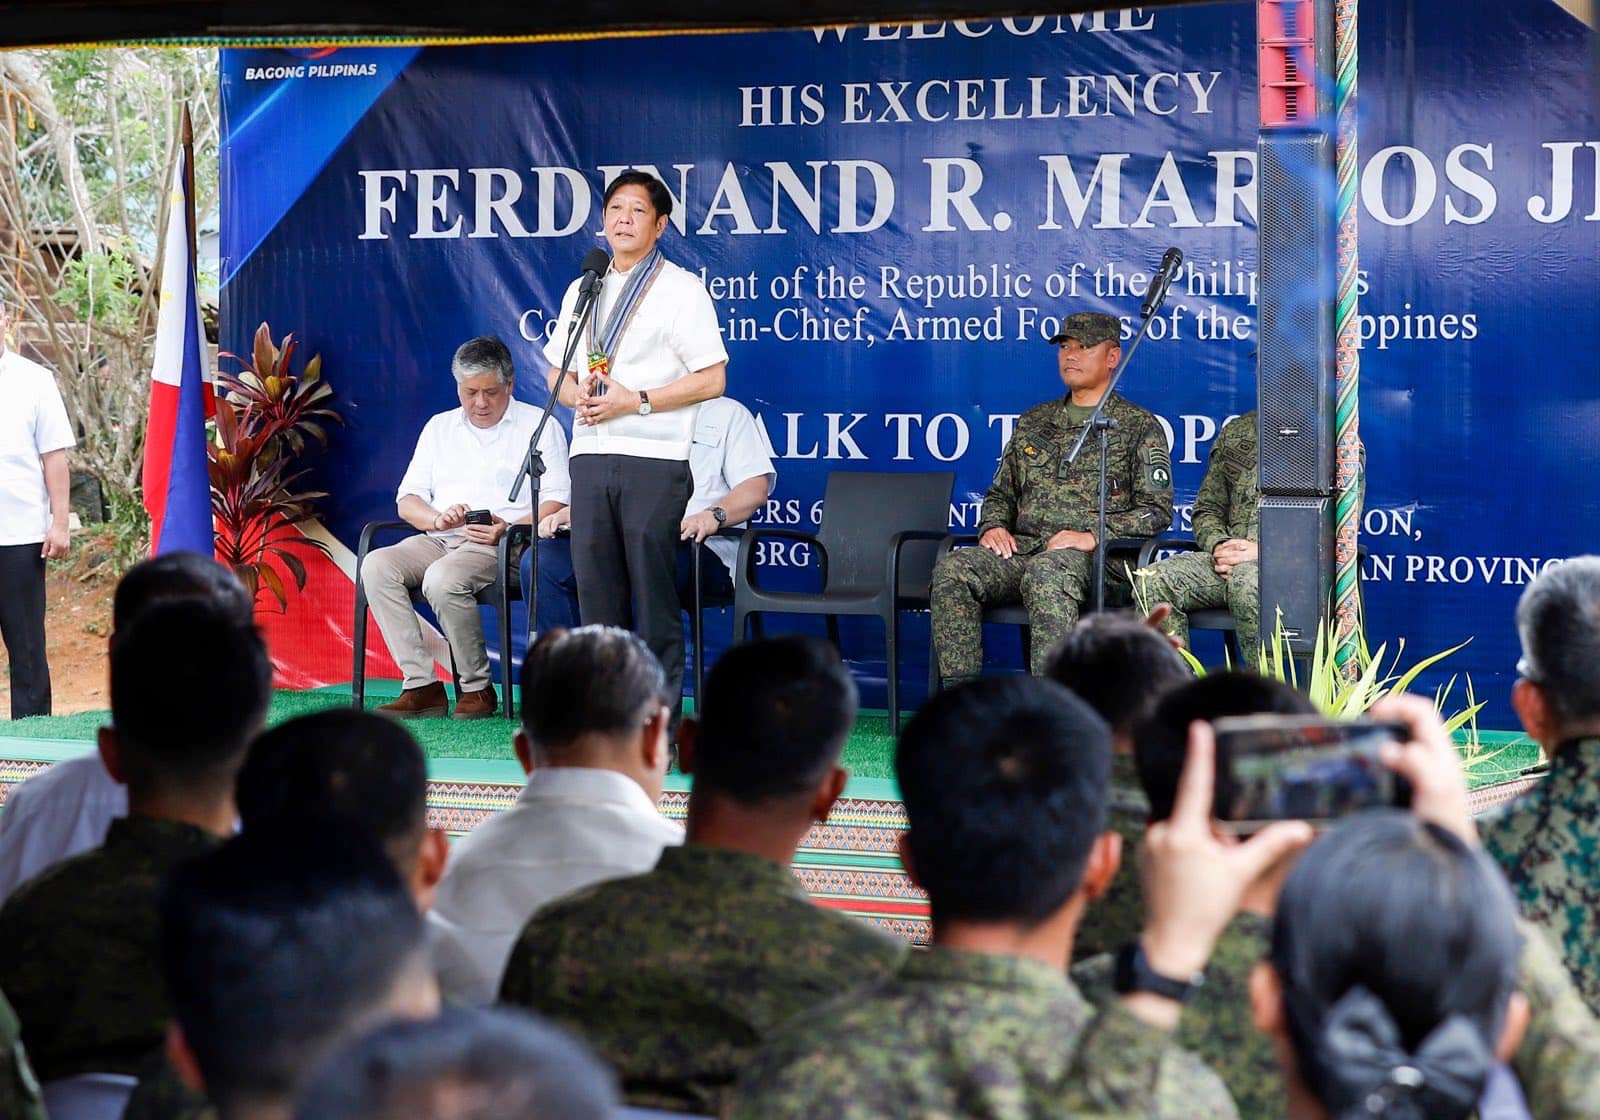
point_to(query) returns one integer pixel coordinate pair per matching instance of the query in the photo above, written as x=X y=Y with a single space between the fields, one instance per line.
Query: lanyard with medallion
x=603 y=349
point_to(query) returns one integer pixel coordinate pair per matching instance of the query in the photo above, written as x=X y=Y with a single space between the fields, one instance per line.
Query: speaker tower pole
x=1308 y=326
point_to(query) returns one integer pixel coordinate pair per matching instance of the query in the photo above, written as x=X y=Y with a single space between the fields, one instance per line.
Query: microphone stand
x=1102 y=424
x=532 y=469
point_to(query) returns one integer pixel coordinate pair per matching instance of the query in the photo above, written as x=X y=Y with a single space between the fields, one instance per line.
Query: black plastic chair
x=1203 y=618
x=875 y=549
x=500 y=594
x=1015 y=614
x=697 y=609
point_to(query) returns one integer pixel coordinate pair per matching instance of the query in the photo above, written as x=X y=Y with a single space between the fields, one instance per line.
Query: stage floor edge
x=848 y=863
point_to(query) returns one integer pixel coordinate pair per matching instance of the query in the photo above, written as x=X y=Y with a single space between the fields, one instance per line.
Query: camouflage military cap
x=1090 y=328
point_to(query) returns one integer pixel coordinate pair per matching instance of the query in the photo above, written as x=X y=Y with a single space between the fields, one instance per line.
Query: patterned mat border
x=848 y=863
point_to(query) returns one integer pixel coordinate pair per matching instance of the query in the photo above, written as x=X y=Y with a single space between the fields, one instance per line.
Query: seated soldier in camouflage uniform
x=1036 y=537
x=1548 y=841
x=1224 y=572
x=676 y=976
x=1004 y=783
x=81 y=963
x=281 y=947
x=356 y=767
x=1558 y=1063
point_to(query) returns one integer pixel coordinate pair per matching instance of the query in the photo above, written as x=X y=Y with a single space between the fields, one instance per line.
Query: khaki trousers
x=450 y=578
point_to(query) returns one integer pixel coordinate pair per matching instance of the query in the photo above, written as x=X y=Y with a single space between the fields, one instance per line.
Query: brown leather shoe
x=481 y=704
x=428 y=702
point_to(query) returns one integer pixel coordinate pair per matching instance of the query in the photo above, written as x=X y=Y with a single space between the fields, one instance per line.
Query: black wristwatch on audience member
x=1132 y=973
x=720 y=514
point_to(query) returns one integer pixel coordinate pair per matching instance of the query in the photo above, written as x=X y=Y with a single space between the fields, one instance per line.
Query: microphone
x=1156 y=294
x=595 y=263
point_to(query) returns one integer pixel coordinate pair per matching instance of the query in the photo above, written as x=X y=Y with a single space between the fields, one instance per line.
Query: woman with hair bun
x=1391 y=984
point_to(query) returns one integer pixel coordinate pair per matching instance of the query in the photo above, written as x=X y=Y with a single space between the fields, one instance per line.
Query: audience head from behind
x=1558 y=620
x=1161 y=735
x=1004 y=781
x=190 y=684
x=468 y=1064
x=1118 y=664
x=1390 y=989
x=279 y=947
x=358 y=767
x=595 y=697
x=178 y=575
x=765 y=749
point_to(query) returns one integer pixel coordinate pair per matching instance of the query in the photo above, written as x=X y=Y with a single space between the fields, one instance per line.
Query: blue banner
x=893 y=219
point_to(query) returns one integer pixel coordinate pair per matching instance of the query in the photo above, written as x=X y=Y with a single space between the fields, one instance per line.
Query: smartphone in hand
x=1305 y=768
x=479 y=517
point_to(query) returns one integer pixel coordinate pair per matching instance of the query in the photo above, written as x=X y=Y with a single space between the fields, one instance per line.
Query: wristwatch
x=720 y=514
x=644 y=403
x=1132 y=973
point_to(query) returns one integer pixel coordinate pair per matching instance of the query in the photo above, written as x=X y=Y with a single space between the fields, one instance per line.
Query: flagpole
x=188 y=178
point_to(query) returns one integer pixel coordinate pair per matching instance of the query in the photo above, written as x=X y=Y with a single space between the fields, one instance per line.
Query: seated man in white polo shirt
x=733 y=477
x=594 y=742
x=465 y=463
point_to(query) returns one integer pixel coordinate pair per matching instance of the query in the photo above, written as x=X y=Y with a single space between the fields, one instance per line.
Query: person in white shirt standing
x=34 y=512
x=455 y=490
x=733 y=477
x=594 y=742
x=653 y=353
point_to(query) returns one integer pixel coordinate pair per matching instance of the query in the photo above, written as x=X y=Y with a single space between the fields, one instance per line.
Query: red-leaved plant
x=266 y=418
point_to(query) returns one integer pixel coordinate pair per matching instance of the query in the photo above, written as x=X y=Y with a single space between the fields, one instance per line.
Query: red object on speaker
x=1286 y=44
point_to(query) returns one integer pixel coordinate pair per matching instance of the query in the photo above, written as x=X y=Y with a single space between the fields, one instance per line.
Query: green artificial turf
x=868 y=754
x=1500 y=756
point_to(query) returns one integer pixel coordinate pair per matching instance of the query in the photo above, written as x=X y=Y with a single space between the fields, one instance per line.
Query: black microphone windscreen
x=596 y=261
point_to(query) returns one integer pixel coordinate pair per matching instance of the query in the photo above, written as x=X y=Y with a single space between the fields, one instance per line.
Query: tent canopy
x=46 y=22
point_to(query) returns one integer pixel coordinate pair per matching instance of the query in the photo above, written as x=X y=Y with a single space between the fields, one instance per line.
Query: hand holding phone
x=479 y=517
x=1428 y=759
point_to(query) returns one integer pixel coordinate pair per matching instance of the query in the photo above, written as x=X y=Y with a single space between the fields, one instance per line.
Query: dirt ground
x=77 y=622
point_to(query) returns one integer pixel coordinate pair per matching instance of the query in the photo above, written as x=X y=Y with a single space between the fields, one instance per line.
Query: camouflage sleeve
x=805 y=1071
x=529 y=968
x=1116 y=1068
x=1151 y=511
x=1211 y=504
x=1188 y=1089
x=1558 y=1062
x=1000 y=500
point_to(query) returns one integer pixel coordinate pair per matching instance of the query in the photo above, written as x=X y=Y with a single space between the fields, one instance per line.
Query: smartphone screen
x=1305 y=768
x=479 y=517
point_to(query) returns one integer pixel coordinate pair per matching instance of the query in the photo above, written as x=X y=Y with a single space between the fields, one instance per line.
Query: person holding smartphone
x=465 y=463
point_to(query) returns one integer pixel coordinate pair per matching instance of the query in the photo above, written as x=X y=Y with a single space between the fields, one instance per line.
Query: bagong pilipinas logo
x=310 y=65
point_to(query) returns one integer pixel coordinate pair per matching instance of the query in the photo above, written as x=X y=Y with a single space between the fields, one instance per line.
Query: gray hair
x=1558 y=620
x=595 y=679
x=482 y=355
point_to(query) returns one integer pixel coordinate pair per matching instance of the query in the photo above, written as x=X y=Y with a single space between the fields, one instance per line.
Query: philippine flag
x=177 y=488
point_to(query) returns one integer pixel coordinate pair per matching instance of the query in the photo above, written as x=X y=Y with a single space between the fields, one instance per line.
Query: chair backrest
x=862 y=510
x=88 y=1096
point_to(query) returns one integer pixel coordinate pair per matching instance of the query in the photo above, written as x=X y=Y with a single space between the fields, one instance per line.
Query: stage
x=848 y=863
